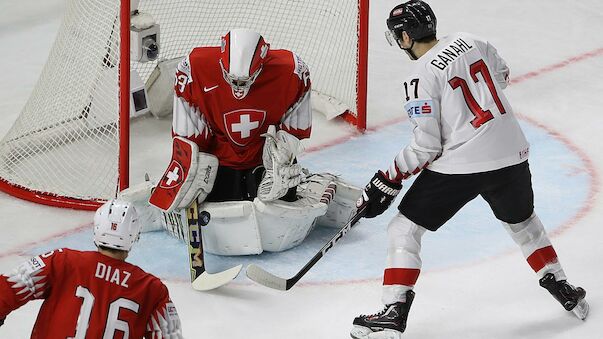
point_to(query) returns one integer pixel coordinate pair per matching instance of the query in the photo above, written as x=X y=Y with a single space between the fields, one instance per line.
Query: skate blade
x=360 y=332
x=581 y=310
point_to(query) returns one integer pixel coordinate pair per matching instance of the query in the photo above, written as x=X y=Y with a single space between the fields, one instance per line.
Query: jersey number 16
x=113 y=323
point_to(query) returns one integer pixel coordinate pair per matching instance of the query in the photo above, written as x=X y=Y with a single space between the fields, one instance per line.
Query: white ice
x=555 y=51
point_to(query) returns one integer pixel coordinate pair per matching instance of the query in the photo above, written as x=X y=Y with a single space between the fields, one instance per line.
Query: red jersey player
x=94 y=294
x=225 y=100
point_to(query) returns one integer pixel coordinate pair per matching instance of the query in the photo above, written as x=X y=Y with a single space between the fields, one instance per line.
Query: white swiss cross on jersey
x=243 y=124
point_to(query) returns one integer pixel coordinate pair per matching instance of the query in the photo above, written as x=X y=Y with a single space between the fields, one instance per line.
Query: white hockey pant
x=403 y=258
x=536 y=246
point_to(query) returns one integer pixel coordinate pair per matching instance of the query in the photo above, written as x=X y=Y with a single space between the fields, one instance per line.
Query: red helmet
x=242 y=57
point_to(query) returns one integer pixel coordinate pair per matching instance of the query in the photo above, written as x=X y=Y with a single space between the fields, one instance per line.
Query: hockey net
x=64 y=148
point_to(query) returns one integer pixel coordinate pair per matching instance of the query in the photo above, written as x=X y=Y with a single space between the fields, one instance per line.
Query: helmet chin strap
x=409 y=51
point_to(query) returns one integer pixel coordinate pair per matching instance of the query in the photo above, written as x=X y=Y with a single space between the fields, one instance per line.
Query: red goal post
x=70 y=146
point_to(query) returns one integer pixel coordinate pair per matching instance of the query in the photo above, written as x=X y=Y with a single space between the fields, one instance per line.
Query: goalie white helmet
x=116 y=225
x=242 y=57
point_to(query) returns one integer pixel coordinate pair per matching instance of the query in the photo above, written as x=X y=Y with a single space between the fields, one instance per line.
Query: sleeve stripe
x=298 y=118
x=165 y=323
x=188 y=121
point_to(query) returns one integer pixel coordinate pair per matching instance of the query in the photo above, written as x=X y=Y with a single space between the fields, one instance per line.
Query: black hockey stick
x=263 y=277
x=200 y=278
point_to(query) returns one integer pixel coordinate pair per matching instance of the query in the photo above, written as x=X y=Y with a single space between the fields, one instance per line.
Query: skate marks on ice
x=560 y=178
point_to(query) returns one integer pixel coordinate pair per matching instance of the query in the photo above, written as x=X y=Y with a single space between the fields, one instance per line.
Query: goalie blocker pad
x=190 y=175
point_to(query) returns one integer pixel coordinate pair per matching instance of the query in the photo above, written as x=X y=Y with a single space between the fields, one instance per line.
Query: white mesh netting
x=65 y=142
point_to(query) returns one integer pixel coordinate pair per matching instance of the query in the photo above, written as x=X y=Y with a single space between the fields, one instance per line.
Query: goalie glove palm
x=378 y=194
x=282 y=173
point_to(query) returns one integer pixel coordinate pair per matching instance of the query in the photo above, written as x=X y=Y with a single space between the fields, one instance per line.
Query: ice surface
x=475 y=283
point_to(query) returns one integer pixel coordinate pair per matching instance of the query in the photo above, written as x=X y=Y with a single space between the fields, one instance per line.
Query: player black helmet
x=414 y=17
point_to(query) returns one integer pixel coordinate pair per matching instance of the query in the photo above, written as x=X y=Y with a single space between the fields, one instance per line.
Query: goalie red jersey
x=89 y=295
x=228 y=121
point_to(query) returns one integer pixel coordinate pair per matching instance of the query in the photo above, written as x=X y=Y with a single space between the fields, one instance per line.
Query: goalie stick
x=263 y=277
x=200 y=278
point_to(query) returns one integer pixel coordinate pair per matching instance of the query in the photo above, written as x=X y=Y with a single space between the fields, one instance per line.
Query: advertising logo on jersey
x=33 y=265
x=243 y=125
x=301 y=69
x=173 y=176
x=419 y=108
x=183 y=75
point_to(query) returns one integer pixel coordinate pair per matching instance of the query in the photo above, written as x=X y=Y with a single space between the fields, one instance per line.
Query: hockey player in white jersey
x=466 y=142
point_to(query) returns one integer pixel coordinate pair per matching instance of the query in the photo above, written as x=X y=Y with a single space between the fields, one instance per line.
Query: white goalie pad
x=237 y=227
x=284 y=225
x=342 y=205
x=151 y=218
x=245 y=227
x=233 y=229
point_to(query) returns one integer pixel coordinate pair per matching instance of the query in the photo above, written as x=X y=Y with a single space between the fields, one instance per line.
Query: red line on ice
x=22 y=248
x=557 y=66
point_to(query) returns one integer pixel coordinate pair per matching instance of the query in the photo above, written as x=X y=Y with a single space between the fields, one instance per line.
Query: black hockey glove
x=378 y=195
x=2 y=321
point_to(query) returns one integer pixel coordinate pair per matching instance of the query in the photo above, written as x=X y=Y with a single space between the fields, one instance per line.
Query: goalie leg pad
x=337 y=194
x=233 y=229
x=284 y=225
x=245 y=227
x=190 y=175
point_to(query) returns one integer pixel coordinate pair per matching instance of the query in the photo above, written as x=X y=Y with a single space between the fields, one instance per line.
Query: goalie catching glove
x=378 y=194
x=191 y=174
x=280 y=151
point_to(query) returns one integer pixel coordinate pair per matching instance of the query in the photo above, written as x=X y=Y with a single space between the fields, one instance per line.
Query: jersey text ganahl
x=450 y=53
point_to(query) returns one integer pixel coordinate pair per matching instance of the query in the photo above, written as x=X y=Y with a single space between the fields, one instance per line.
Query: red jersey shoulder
x=199 y=64
x=57 y=256
x=52 y=261
x=287 y=63
x=204 y=63
x=201 y=57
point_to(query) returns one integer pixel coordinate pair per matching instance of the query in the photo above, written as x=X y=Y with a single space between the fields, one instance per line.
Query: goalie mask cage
x=69 y=147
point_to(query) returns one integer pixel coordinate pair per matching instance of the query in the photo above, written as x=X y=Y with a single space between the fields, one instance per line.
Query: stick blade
x=263 y=277
x=207 y=281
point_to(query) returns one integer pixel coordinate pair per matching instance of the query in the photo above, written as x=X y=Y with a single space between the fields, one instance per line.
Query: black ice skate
x=570 y=297
x=387 y=324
